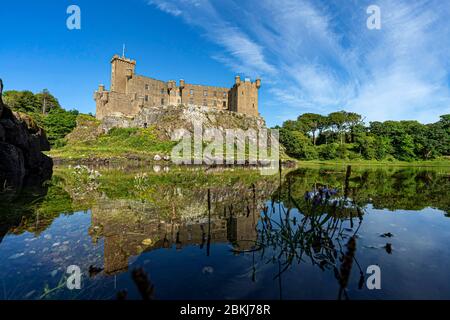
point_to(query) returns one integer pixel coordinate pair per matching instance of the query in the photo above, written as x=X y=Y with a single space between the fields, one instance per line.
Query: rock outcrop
x=22 y=163
x=167 y=119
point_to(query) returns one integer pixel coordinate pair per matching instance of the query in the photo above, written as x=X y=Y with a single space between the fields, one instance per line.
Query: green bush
x=297 y=145
x=328 y=151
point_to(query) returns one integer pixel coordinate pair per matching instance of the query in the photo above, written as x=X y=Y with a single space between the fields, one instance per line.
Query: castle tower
x=243 y=97
x=122 y=70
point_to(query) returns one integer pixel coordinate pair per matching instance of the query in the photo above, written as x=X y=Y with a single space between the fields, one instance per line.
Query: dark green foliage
x=45 y=109
x=22 y=101
x=328 y=151
x=297 y=144
x=343 y=135
x=58 y=123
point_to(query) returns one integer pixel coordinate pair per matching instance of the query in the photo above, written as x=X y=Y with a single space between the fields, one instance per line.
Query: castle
x=130 y=93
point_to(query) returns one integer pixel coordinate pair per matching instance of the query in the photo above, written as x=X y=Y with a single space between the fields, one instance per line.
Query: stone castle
x=130 y=93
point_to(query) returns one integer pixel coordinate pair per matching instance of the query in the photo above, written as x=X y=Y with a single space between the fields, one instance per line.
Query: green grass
x=395 y=163
x=118 y=143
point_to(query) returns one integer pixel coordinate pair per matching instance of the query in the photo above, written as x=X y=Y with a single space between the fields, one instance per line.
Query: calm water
x=231 y=235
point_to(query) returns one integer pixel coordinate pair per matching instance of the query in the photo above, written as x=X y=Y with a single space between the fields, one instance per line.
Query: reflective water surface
x=308 y=233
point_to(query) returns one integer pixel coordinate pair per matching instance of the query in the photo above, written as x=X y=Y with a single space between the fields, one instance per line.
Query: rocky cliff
x=167 y=119
x=22 y=163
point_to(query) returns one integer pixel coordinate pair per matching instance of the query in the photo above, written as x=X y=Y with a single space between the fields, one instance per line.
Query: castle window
x=162 y=101
x=146 y=98
x=224 y=94
x=205 y=93
x=146 y=87
x=191 y=92
x=224 y=104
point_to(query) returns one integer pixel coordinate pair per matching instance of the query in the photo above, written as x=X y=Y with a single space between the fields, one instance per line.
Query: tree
x=47 y=101
x=338 y=120
x=59 y=123
x=404 y=147
x=383 y=147
x=297 y=145
x=27 y=102
x=292 y=125
x=403 y=140
x=365 y=145
x=312 y=122
x=354 y=124
x=21 y=101
x=328 y=151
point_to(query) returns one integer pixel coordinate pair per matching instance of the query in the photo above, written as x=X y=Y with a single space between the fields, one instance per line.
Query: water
x=230 y=234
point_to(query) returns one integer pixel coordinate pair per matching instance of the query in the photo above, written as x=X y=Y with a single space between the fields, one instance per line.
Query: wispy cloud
x=166 y=7
x=317 y=55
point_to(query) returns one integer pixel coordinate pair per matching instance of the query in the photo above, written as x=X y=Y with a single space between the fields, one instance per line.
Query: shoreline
x=362 y=163
x=139 y=160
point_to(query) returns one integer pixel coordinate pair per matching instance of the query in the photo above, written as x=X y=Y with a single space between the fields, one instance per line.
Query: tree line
x=45 y=109
x=344 y=135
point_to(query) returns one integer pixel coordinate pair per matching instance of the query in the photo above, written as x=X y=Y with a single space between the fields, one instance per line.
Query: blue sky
x=312 y=55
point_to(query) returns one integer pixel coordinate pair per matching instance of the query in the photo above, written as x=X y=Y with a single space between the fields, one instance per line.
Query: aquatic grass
x=317 y=236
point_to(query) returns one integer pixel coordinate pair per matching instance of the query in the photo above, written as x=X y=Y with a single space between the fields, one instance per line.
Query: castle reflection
x=129 y=228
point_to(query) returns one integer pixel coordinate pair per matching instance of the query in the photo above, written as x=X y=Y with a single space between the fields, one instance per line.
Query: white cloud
x=318 y=56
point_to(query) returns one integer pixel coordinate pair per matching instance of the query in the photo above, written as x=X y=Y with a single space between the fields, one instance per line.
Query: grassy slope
x=87 y=142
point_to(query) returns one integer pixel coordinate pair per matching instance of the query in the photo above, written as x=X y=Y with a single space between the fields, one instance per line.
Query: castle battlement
x=130 y=93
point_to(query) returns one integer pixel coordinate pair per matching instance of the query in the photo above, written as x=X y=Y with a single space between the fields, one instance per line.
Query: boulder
x=12 y=169
x=2 y=133
x=22 y=163
x=1 y=94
